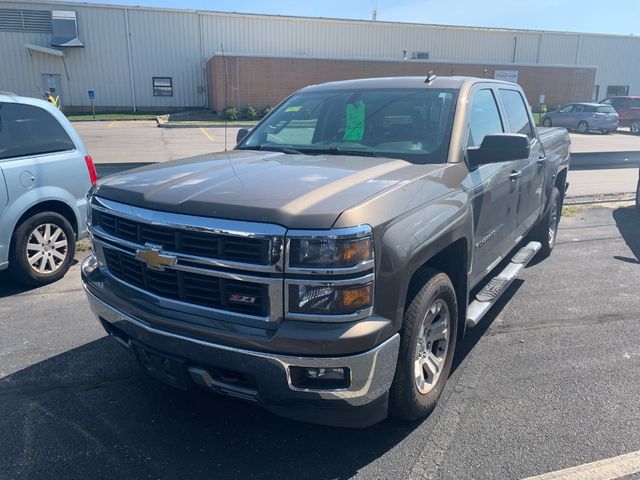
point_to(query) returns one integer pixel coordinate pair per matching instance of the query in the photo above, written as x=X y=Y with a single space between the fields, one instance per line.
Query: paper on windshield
x=354 y=129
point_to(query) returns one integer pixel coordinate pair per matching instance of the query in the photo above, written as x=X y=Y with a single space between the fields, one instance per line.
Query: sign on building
x=506 y=75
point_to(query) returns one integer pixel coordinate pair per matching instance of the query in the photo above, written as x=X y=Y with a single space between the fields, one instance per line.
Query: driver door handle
x=541 y=161
x=515 y=174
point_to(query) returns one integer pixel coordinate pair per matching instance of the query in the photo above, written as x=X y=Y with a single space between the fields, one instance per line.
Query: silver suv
x=45 y=173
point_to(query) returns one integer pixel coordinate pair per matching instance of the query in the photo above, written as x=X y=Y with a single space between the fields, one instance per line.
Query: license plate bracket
x=166 y=368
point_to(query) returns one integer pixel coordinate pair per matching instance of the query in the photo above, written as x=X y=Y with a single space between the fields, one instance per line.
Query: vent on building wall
x=65 y=29
x=420 y=55
x=33 y=21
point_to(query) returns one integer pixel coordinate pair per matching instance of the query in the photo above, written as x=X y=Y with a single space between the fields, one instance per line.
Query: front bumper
x=270 y=384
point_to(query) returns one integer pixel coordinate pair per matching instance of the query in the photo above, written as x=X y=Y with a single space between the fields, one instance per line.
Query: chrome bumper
x=371 y=372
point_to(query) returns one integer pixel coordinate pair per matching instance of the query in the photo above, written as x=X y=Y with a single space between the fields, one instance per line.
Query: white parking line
x=607 y=469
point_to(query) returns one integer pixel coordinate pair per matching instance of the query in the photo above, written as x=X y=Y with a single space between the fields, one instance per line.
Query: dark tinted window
x=28 y=130
x=484 y=118
x=516 y=112
x=606 y=109
x=580 y=108
x=635 y=103
x=618 y=102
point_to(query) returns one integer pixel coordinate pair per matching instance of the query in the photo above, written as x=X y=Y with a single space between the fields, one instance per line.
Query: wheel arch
x=56 y=206
x=453 y=261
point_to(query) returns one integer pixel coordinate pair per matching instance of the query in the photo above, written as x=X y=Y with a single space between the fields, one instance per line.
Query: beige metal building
x=156 y=59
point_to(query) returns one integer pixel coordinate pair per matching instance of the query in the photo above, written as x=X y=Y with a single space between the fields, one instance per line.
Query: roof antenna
x=430 y=77
x=226 y=93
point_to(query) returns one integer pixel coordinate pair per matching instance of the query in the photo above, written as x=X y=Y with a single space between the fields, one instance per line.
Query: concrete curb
x=603 y=198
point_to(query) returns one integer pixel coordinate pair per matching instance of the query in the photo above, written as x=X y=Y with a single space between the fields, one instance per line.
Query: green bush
x=230 y=113
x=249 y=113
x=266 y=111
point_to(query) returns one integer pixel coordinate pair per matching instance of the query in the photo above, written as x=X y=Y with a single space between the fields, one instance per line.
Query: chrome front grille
x=231 y=267
x=237 y=249
x=194 y=288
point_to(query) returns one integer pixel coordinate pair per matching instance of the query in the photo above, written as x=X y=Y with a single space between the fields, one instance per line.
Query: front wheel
x=428 y=340
x=635 y=127
x=547 y=230
x=42 y=249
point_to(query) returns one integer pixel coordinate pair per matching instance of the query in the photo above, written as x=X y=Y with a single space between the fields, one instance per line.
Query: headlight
x=341 y=248
x=320 y=274
x=330 y=299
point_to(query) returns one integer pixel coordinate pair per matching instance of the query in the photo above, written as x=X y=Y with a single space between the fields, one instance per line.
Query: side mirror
x=503 y=147
x=243 y=132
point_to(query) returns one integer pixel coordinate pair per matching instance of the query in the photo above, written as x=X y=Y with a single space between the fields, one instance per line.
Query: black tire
x=406 y=402
x=583 y=127
x=547 y=122
x=542 y=232
x=634 y=127
x=18 y=257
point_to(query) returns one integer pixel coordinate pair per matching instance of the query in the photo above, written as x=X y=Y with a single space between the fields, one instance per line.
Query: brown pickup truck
x=326 y=267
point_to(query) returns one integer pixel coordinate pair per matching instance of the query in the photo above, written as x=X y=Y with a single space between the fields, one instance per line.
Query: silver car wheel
x=432 y=346
x=47 y=248
x=583 y=127
x=635 y=128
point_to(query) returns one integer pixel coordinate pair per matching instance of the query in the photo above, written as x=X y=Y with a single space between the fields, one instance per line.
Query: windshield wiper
x=273 y=148
x=350 y=151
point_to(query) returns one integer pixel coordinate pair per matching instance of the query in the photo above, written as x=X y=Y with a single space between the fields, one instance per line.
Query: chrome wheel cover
x=432 y=346
x=47 y=249
x=635 y=127
x=583 y=128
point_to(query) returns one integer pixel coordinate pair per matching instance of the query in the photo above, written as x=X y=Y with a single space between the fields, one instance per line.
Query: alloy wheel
x=432 y=347
x=47 y=248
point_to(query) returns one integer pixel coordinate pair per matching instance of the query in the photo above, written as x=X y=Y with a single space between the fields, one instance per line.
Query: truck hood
x=296 y=191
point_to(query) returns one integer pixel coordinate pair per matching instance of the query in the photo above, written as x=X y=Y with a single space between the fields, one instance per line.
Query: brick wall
x=262 y=81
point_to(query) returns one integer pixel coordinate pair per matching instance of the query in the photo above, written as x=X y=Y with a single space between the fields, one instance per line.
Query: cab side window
x=484 y=117
x=27 y=130
x=516 y=112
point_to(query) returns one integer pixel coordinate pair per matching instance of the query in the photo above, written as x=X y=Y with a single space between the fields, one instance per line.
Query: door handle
x=515 y=174
x=541 y=161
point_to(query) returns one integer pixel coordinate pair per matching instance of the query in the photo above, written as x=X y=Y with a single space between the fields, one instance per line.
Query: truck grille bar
x=219 y=265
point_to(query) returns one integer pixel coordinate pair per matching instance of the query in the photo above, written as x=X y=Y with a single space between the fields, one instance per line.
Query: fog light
x=320 y=377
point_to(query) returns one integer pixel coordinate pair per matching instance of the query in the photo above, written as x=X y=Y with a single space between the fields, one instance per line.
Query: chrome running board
x=494 y=289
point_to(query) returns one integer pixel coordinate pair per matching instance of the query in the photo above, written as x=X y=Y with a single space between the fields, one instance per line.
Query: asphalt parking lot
x=547 y=381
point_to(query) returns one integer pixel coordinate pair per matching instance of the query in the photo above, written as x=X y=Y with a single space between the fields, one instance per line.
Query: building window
x=617 y=90
x=162 y=87
x=420 y=55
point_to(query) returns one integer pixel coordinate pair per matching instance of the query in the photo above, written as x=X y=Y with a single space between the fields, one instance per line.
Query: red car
x=628 y=109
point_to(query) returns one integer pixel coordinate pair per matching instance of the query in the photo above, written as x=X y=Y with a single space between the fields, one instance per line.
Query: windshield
x=411 y=124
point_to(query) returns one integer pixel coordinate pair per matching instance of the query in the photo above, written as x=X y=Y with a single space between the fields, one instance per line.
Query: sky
x=596 y=16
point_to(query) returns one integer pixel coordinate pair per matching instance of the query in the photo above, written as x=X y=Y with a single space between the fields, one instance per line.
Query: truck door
x=528 y=174
x=491 y=189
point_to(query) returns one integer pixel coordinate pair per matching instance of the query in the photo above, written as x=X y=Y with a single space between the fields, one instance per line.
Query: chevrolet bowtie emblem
x=154 y=258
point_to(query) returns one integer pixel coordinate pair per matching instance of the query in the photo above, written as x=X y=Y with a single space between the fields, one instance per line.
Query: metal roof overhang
x=47 y=51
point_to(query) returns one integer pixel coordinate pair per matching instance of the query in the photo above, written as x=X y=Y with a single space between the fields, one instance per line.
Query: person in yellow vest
x=51 y=99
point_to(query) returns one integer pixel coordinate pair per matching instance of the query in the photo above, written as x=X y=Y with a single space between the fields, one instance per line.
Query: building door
x=51 y=82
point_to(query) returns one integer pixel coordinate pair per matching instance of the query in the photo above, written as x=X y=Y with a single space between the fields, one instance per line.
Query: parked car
x=326 y=267
x=583 y=117
x=45 y=173
x=628 y=109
